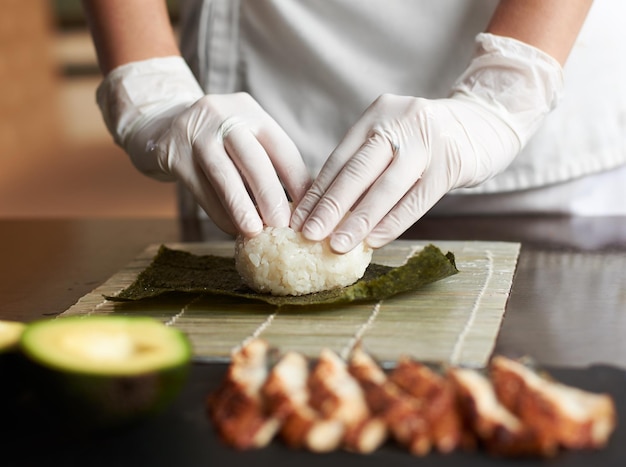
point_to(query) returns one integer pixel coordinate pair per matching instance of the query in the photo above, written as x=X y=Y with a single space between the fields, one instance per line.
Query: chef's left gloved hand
x=405 y=153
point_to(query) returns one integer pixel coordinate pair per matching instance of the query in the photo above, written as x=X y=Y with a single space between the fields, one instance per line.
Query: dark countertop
x=567 y=309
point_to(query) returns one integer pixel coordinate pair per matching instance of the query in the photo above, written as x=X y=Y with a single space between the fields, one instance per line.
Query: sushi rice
x=280 y=261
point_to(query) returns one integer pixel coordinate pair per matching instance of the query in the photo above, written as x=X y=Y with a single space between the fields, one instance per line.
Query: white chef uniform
x=315 y=66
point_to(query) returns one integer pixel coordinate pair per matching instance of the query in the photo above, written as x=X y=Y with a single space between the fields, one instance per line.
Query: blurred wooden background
x=56 y=157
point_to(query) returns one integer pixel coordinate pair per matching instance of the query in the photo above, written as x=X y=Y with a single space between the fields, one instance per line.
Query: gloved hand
x=405 y=153
x=227 y=151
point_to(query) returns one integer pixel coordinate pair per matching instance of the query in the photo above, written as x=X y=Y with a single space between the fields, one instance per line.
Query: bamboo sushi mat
x=455 y=320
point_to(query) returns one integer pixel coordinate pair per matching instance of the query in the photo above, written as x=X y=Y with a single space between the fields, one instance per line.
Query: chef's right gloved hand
x=224 y=148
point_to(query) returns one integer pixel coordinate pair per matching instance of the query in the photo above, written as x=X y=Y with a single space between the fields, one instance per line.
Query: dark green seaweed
x=181 y=271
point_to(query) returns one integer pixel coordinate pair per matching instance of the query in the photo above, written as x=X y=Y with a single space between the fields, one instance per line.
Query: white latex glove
x=227 y=151
x=405 y=153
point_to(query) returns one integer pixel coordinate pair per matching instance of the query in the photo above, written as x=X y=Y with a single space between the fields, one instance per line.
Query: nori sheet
x=181 y=271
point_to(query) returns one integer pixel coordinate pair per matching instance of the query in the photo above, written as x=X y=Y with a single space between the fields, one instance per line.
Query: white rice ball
x=281 y=261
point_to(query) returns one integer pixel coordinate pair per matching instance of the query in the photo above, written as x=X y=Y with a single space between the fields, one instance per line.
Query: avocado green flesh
x=10 y=332
x=106 y=345
x=107 y=370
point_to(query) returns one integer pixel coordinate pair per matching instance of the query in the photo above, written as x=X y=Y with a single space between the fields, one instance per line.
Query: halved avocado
x=109 y=370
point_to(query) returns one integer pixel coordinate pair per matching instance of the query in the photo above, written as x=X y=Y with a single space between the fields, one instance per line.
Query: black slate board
x=183 y=436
